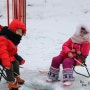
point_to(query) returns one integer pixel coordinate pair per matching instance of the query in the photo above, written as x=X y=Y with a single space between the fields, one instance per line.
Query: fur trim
x=76 y=37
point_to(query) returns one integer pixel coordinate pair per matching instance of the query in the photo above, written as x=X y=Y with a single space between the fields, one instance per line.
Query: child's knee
x=68 y=63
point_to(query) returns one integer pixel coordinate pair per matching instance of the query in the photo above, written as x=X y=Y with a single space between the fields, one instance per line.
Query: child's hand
x=70 y=55
x=87 y=39
x=79 y=52
x=73 y=50
x=7 y=68
x=22 y=62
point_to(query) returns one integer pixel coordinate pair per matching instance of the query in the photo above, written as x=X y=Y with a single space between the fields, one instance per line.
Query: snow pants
x=14 y=71
x=67 y=64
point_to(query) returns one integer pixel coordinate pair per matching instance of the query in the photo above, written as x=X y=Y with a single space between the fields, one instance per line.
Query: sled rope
x=84 y=65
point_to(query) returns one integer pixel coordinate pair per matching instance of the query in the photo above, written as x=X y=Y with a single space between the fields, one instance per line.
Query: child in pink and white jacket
x=77 y=47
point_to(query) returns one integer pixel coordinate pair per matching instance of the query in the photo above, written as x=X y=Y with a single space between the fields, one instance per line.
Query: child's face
x=82 y=34
x=19 y=32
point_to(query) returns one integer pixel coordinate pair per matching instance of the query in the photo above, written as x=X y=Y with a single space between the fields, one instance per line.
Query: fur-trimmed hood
x=76 y=38
x=86 y=26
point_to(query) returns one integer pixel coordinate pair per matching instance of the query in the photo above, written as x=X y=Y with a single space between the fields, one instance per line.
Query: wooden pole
x=8 y=20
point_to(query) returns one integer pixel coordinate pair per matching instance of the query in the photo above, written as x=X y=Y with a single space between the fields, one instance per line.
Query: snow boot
x=67 y=83
x=53 y=74
x=19 y=80
x=14 y=89
x=68 y=76
x=13 y=85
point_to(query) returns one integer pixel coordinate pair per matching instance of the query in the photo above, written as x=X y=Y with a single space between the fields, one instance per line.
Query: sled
x=83 y=65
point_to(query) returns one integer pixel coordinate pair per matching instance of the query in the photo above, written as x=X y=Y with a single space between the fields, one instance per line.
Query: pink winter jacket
x=69 y=45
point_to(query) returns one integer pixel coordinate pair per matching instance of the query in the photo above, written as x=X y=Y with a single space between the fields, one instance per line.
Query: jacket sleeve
x=66 y=46
x=4 y=56
x=19 y=58
x=85 y=48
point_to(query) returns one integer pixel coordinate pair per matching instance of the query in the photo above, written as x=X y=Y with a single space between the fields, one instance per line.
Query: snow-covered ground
x=49 y=24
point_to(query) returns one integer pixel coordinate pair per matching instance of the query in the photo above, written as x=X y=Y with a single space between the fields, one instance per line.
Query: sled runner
x=83 y=65
x=43 y=72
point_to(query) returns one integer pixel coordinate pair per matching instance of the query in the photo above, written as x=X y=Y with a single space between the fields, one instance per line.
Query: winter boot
x=68 y=76
x=13 y=85
x=19 y=80
x=53 y=74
